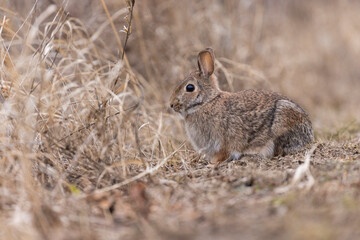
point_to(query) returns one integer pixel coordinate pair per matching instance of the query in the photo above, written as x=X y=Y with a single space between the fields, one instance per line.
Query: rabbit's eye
x=190 y=87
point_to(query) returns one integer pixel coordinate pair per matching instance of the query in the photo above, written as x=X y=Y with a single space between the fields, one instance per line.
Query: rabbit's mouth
x=177 y=107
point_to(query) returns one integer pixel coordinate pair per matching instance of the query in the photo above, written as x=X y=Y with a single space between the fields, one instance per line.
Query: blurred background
x=308 y=51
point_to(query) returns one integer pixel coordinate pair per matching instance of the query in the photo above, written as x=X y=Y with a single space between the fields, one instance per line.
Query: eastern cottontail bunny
x=225 y=125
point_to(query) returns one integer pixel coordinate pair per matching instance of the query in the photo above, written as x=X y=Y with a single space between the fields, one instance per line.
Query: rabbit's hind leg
x=291 y=128
x=293 y=140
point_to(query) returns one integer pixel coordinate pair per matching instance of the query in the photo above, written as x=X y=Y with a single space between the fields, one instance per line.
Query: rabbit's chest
x=202 y=139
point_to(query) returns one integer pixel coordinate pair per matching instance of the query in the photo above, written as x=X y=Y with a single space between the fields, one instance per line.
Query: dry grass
x=90 y=149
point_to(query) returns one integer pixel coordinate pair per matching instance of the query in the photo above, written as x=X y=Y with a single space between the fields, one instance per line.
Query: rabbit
x=226 y=126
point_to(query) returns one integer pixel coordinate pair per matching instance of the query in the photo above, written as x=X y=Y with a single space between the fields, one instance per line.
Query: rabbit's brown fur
x=225 y=125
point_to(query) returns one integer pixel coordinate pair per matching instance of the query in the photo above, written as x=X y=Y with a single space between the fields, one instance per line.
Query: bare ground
x=239 y=200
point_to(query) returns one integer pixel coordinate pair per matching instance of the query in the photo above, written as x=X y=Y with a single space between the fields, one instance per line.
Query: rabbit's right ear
x=206 y=62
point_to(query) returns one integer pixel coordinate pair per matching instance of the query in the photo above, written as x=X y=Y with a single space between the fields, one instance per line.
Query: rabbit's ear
x=206 y=62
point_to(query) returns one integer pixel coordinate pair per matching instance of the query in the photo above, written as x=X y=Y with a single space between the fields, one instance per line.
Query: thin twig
x=128 y=30
x=115 y=32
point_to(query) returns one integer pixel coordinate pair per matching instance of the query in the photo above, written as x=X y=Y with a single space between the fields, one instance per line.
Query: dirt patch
x=240 y=199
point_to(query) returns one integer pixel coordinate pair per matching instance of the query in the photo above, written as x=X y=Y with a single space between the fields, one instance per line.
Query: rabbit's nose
x=174 y=102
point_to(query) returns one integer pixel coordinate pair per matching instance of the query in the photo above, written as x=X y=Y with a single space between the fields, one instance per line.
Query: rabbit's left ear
x=206 y=62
